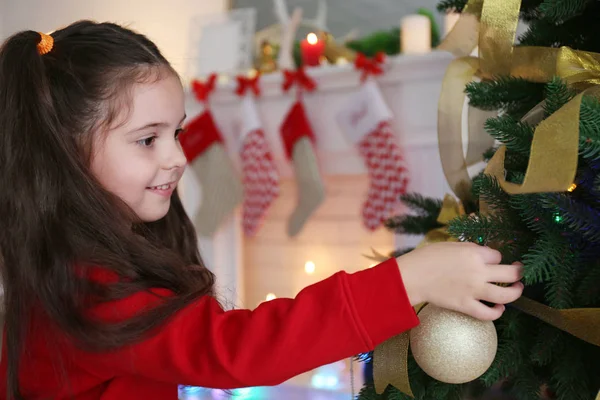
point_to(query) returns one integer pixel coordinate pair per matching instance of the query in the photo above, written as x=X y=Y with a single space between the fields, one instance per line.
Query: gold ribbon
x=499 y=20
x=390 y=362
x=489 y=24
x=583 y=323
x=492 y=24
x=463 y=38
x=556 y=137
x=452 y=97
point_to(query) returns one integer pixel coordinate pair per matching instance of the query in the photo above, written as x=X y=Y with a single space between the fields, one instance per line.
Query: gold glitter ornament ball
x=453 y=347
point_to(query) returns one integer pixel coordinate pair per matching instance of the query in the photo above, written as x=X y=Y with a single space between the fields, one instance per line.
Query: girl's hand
x=457 y=276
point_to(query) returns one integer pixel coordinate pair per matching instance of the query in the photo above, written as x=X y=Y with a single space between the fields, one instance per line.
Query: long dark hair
x=55 y=218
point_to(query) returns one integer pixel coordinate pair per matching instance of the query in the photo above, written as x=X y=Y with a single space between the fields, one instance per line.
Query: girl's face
x=141 y=160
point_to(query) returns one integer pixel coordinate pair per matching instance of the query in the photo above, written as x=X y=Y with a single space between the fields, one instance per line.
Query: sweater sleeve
x=203 y=345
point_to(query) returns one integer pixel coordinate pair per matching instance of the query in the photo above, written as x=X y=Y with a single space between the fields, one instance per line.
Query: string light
x=309 y=267
x=572 y=187
x=223 y=79
x=558 y=218
x=252 y=73
x=271 y=296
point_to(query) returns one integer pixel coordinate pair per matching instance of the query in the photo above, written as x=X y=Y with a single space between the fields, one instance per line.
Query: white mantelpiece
x=411 y=86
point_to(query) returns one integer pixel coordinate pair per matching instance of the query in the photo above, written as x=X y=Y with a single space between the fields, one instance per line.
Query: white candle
x=450 y=20
x=415 y=34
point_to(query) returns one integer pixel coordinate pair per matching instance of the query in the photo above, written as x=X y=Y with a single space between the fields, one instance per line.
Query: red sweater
x=203 y=345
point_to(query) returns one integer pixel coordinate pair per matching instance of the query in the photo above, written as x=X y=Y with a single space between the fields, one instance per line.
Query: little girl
x=106 y=296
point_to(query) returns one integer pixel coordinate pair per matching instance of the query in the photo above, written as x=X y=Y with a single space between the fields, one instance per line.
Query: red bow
x=369 y=66
x=203 y=89
x=299 y=78
x=245 y=84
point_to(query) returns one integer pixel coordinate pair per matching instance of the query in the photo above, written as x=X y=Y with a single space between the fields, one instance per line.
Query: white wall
x=2 y=14
x=167 y=22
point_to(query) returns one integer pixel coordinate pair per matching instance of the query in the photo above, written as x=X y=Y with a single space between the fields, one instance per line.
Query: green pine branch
x=562 y=10
x=420 y=204
x=515 y=96
x=547 y=344
x=579 y=32
x=548 y=251
x=528 y=7
x=509 y=326
x=533 y=212
x=506 y=362
x=392 y=393
x=570 y=379
x=489 y=153
x=488 y=188
x=412 y=224
x=588 y=291
x=589 y=128
x=451 y=5
x=526 y=384
x=560 y=289
x=516 y=165
x=483 y=229
x=367 y=392
x=516 y=135
x=426 y=209
x=576 y=216
x=596 y=187
x=439 y=390
x=557 y=95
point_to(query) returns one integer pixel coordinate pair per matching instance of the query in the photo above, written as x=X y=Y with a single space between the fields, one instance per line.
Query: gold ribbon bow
x=391 y=357
x=496 y=21
x=556 y=137
x=491 y=24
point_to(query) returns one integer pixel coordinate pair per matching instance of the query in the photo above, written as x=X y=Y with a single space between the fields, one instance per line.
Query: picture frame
x=222 y=43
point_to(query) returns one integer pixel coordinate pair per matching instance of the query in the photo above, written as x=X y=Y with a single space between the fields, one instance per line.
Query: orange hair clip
x=45 y=44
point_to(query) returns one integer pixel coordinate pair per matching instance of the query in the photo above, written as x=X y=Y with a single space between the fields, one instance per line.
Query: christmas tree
x=556 y=234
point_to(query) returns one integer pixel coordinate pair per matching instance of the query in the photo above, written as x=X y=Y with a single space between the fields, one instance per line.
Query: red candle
x=312 y=49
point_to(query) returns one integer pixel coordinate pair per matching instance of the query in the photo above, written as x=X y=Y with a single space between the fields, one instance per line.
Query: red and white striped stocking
x=366 y=120
x=260 y=175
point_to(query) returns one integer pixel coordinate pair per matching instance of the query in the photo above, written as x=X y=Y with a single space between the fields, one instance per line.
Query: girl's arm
x=203 y=345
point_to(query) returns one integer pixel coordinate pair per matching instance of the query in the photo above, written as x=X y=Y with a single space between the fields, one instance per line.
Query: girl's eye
x=147 y=142
x=178 y=132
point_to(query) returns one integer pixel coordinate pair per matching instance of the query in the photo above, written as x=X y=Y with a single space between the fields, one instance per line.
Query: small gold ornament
x=453 y=347
x=267 y=60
